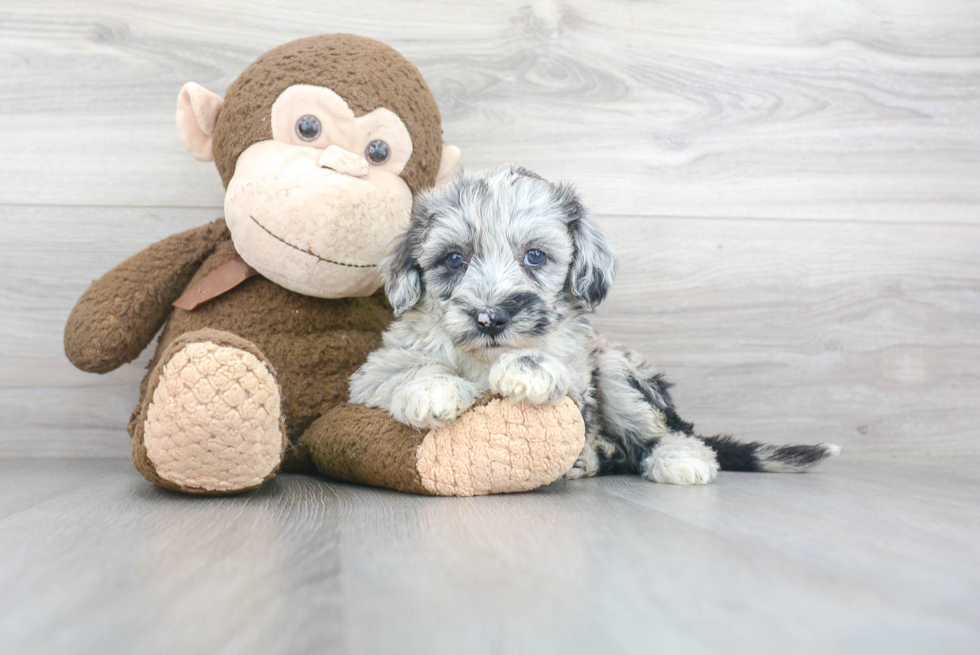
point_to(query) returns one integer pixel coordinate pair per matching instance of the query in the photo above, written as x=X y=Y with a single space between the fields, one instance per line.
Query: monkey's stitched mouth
x=306 y=251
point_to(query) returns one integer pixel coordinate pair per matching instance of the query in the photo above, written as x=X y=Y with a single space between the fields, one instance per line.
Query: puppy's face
x=499 y=260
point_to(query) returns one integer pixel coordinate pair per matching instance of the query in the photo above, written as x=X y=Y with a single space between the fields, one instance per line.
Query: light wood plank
x=856 y=111
x=861 y=334
x=859 y=556
x=49 y=257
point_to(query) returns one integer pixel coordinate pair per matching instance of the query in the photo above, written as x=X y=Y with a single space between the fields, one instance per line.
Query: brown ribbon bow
x=221 y=280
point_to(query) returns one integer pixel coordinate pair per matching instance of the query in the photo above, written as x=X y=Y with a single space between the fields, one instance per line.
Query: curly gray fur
x=478 y=313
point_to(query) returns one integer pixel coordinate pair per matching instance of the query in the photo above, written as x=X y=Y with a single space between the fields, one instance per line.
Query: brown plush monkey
x=322 y=144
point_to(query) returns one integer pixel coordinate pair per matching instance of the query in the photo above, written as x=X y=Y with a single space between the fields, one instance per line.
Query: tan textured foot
x=214 y=421
x=501 y=447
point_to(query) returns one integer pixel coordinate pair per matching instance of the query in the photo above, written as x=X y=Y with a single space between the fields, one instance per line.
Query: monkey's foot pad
x=214 y=422
x=502 y=447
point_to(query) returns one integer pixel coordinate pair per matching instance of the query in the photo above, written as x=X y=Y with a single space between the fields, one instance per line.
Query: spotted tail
x=740 y=456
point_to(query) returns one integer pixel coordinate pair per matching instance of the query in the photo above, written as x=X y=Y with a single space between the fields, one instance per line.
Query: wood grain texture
x=859 y=556
x=784 y=331
x=48 y=406
x=804 y=331
x=792 y=188
x=851 y=110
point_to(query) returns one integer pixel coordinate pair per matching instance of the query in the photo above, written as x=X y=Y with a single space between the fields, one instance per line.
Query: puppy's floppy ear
x=402 y=276
x=400 y=271
x=594 y=265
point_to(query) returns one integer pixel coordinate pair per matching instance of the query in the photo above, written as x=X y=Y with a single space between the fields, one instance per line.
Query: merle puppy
x=494 y=283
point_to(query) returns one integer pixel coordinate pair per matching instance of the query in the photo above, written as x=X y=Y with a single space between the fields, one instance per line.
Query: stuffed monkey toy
x=322 y=145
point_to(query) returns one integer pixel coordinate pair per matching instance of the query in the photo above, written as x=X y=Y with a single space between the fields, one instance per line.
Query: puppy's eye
x=308 y=127
x=377 y=152
x=534 y=258
x=454 y=261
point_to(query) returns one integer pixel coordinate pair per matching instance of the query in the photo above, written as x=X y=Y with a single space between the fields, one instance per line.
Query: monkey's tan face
x=315 y=208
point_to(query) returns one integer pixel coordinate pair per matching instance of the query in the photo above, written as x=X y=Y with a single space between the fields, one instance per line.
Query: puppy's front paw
x=534 y=378
x=681 y=461
x=432 y=402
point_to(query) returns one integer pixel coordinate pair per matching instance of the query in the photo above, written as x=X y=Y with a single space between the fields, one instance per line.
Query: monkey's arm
x=495 y=447
x=117 y=316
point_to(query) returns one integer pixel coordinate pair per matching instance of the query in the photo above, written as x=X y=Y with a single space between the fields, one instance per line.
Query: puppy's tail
x=740 y=456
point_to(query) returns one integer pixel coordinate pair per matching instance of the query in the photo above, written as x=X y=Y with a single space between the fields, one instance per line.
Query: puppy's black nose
x=492 y=321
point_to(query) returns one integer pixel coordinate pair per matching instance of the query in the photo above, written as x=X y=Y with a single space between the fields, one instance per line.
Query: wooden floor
x=793 y=189
x=863 y=555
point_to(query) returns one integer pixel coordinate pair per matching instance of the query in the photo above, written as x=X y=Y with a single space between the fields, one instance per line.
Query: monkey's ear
x=402 y=276
x=594 y=265
x=197 y=114
x=450 y=160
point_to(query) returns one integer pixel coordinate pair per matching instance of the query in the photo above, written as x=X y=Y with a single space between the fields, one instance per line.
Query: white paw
x=536 y=379
x=681 y=461
x=432 y=402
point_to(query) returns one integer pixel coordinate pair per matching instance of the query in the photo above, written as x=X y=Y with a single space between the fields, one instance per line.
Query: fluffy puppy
x=494 y=282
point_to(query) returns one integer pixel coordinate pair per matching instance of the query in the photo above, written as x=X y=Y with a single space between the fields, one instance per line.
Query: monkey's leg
x=209 y=421
x=495 y=447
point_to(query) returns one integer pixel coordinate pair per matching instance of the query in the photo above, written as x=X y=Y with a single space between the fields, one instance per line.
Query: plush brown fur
x=387 y=459
x=311 y=345
x=365 y=73
x=119 y=314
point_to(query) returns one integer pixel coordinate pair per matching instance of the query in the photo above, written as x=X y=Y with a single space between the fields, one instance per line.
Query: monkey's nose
x=347 y=163
x=492 y=321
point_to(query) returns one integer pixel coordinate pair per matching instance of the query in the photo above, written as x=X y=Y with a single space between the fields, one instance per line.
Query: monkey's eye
x=534 y=258
x=308 y=127
x=454 y=261
x=377 y=152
